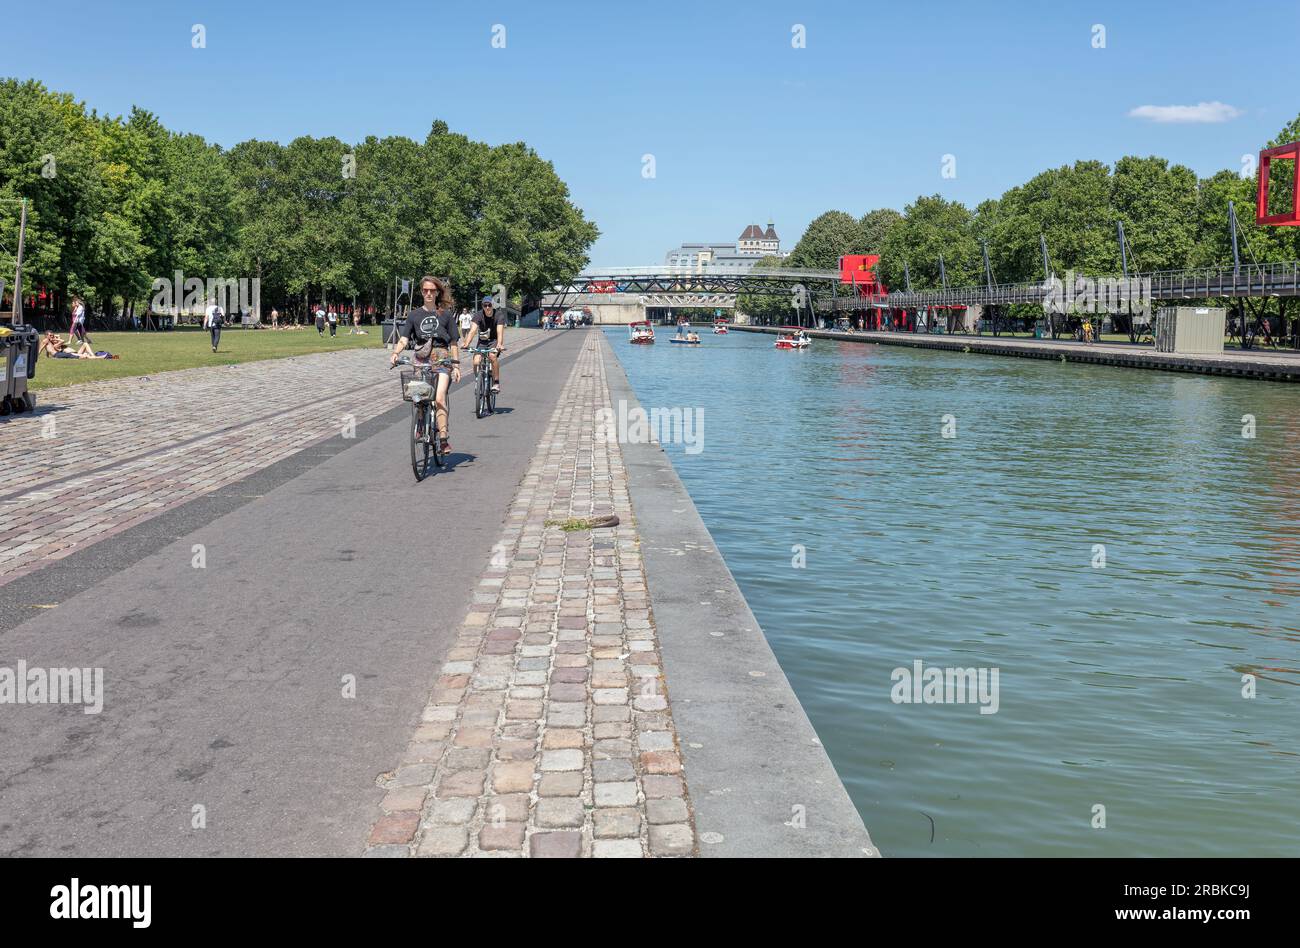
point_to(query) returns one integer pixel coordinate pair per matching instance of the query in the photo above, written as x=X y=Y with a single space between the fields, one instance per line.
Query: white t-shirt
x=466 y=320
x=333 y=316
x=210 y=316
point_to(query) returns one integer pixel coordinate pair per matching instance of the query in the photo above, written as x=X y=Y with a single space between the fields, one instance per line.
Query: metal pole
x=1042 y=243
x=1123 y=256
x=943 y=274
x=18 y=270
x=1232 y=223
x=988 y=280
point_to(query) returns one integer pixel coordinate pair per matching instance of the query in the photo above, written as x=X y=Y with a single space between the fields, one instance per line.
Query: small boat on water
x=720 y=327
x=641 y=333
x=792 y=337
x=692 y=339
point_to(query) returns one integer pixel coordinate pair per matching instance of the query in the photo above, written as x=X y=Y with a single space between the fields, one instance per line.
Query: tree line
x=1172 y=220
x=116 y=202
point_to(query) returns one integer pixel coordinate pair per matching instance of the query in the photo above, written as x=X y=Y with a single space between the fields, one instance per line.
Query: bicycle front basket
x=409 y=376
x=419 y=391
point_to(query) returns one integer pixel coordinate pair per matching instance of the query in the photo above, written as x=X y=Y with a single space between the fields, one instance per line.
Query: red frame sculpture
x=1292 y=217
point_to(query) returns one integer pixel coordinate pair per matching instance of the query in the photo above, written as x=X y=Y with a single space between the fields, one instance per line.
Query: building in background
x=753 y=244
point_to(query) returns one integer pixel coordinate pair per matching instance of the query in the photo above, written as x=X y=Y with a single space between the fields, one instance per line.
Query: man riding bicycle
x=431 y=331
x=489 y=330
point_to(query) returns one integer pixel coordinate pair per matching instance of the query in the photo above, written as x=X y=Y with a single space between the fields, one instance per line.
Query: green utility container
x=1191 y=330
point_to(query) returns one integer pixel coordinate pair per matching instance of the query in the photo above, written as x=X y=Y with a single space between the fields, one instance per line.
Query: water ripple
x=1120 y=686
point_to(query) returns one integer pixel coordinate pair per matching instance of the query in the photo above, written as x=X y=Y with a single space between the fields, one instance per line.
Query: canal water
x=1105 y=539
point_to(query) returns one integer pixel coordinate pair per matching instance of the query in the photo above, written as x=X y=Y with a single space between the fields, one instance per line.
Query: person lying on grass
x=56 y=348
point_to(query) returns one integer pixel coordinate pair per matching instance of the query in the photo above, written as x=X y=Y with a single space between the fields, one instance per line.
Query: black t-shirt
x=488 y=326
x=425 y=324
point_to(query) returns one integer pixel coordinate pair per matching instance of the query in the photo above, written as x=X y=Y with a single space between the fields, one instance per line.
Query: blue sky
x=742 y=125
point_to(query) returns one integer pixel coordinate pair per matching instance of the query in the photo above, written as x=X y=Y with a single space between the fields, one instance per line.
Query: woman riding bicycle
x=432 y=333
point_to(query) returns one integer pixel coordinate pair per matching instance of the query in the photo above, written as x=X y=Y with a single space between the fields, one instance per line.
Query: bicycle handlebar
x=402 y=361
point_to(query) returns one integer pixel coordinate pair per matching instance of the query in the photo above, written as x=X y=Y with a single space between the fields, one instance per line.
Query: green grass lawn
x=144 y=353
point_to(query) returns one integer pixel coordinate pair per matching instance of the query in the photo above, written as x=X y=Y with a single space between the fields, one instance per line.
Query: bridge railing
x=1263 y=279
x=997 y=294
x=1256 y=279
x=613 y=273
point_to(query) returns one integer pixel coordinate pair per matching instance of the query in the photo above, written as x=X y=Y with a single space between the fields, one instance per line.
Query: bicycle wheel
x=491 y=395
x=480 y=393
x=420 y=441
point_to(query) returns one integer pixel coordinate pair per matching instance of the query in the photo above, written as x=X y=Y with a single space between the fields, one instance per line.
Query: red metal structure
x=858 y=270
x=1289 y=218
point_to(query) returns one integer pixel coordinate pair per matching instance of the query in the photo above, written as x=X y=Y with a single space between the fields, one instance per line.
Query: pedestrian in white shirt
x=213 y=319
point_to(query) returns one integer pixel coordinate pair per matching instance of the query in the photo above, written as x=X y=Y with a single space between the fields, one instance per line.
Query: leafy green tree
x=827 y=238
x=1069 y=207
x=1157 y=204
x=932 y=226
x=875 y=227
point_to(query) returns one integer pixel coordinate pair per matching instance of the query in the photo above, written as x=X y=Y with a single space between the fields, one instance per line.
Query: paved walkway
x=101 y=457
x=273 y=685
x=548 y=731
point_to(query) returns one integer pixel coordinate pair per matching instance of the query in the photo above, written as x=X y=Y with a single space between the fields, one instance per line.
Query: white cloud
x=1201 y=112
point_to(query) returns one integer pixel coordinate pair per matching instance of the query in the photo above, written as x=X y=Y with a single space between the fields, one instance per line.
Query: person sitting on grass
x=52 y=345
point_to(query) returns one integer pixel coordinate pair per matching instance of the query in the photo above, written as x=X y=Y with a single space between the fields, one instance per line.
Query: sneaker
x=496 y=387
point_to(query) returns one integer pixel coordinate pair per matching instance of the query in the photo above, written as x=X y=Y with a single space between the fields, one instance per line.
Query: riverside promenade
x=307 y=653
x=1264 y=364
x=551 y=729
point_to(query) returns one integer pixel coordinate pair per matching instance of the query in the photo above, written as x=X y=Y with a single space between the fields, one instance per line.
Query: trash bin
x=19 y=349
x=392 y=329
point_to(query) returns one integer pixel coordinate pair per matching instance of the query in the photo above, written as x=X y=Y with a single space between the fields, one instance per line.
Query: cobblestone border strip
x=548 y=732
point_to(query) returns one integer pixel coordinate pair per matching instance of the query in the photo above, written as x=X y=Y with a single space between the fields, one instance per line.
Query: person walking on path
x=333 y=317
x=465 y=321
x=78 y=329
x=320 y=320
x=213 y=318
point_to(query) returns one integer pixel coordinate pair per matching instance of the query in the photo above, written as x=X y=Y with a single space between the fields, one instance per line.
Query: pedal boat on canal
x=720 y=327
x=641 y=333
x=792 y=337
x=692 y=339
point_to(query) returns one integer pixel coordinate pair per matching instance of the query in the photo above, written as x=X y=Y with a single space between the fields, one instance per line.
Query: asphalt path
x=224 y=685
